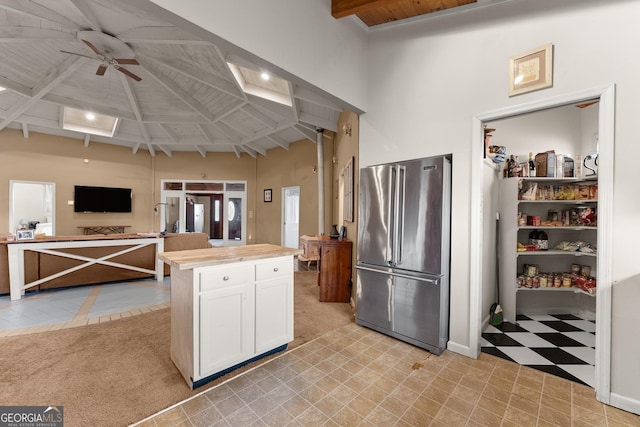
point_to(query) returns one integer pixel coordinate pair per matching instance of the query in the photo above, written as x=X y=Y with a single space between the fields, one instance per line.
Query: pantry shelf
x=556 y=253
x=558 y=227
x=549 y=289
x=563 y=202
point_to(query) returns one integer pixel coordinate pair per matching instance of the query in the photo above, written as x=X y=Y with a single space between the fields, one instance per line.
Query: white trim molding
x=606 y=95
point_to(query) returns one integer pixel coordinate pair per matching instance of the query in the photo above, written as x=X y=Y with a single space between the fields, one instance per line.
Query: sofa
x=38 y=265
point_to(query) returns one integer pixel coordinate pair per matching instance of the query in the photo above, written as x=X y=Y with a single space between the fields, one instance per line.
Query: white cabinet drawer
x=274 y=268
x=224 y=276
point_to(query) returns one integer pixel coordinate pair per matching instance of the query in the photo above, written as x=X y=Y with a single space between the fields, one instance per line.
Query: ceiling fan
x=107 y=60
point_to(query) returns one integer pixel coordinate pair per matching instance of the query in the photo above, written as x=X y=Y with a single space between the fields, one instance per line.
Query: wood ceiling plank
x=30 y=8
x=376 y=12
x=177 y=90
x=135 y=106
x=87 y=12
x=342 y=8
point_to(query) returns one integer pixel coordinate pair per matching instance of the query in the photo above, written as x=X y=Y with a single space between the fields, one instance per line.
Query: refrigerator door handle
x=435 y=280
x=390 y=249
x=399 y=232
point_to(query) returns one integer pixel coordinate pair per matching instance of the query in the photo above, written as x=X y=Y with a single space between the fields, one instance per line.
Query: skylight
x=88 y=122
x=262 y=84
x=2 y=89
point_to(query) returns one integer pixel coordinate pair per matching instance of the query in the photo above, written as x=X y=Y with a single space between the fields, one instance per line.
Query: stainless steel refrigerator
x=404 y=251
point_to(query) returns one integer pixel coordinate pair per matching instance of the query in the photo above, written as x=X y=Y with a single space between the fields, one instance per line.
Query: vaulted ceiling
x=170 y=90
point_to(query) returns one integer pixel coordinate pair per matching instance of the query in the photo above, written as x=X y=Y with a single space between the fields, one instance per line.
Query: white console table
x=52 y=246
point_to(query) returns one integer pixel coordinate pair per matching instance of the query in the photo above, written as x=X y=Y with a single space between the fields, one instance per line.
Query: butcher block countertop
x=185 y=260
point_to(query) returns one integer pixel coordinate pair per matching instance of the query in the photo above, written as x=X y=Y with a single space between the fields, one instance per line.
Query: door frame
x=282 y=216
x=606 y=133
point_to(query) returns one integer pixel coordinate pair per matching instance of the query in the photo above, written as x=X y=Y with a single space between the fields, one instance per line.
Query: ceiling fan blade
x=78 y=54
x=125 y=61
x=128 y=73
x=92 y=47
x=101 y=70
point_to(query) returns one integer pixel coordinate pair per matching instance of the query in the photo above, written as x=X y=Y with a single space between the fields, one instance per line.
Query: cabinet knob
x=225 y=278
x=275 y=269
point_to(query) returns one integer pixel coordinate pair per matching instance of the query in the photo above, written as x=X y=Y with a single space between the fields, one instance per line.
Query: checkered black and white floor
x=559 y=344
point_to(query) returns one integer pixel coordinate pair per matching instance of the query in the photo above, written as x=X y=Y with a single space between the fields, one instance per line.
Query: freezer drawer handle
x=435 y=281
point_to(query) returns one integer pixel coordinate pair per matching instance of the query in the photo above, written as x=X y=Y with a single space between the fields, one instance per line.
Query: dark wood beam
x=342 y=8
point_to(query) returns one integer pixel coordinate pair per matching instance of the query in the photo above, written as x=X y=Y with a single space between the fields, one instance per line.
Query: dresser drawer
x=274 y=268
x=224 y=276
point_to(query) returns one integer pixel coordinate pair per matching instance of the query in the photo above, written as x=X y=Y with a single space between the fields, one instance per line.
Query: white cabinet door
x=226 y=327
x=274 y=304
x=274 y=320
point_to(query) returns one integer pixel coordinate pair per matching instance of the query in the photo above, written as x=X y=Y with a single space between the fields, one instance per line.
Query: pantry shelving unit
x=544 y=300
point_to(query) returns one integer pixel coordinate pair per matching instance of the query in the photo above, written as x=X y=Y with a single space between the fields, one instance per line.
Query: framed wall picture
x=531 y=70
x=267 y=195
x=25 y=234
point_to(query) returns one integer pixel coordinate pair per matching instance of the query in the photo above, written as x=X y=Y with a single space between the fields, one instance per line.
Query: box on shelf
x=545 y=163
x=552 y=165
x=568 y=169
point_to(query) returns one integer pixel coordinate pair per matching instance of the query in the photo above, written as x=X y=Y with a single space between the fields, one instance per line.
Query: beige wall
x=287 y=168
x=61 y=160
x=345 y=147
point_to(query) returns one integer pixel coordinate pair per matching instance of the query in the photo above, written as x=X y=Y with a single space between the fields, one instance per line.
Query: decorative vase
x=334 y=231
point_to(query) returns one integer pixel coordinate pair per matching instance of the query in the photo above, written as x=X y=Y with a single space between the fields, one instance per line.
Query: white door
x=290 y=216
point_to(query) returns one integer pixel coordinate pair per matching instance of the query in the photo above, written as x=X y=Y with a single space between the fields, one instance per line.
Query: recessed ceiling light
x=262 y=84
x=2 y=89
x=88 y=122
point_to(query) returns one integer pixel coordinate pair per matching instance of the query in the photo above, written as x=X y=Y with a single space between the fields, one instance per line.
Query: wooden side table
x=334 y=269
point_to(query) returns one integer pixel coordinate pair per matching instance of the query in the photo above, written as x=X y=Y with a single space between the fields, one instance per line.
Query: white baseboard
x=463 y=350
x=625 y=403
x=485 y=323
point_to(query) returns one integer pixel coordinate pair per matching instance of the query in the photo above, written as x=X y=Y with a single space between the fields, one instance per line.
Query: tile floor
x=560 y=344
x=357 y=377
x=350 y=376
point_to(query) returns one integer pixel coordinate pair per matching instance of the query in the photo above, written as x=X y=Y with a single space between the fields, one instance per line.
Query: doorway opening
x=549 y=315
x=482 y=290
x=290 y=217
x=217 y=208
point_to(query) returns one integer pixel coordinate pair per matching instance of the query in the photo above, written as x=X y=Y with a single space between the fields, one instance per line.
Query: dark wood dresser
x=334 y=269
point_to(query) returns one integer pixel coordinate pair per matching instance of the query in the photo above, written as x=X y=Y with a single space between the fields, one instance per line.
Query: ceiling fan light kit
x=107 y=55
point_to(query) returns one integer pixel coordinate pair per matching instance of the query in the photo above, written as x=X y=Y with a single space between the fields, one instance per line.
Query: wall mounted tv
x=101 y=199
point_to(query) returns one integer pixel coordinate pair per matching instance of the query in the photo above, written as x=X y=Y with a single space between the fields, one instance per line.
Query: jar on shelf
x=543 y=241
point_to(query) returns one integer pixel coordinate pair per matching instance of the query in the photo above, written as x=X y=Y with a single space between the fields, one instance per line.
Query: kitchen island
x=229 y=307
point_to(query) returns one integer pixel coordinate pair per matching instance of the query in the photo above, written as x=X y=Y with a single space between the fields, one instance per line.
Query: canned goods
x=575 y=268
x=542 y=281
x=530 y=270
x=585 y=271
x=557 y=281
x=566 y=281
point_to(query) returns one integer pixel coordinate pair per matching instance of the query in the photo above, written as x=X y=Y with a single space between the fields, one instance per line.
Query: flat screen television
x=101 y=199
